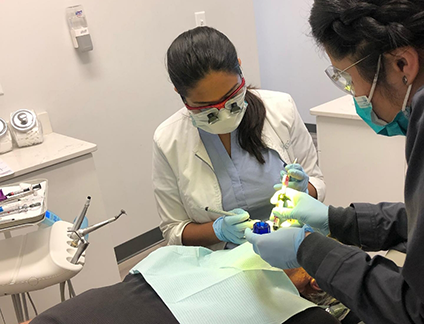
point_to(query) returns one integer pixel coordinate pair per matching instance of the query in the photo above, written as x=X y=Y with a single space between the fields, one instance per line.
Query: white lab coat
x=183 y=177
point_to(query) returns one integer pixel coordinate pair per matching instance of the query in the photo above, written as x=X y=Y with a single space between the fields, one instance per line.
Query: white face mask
x=224 y=120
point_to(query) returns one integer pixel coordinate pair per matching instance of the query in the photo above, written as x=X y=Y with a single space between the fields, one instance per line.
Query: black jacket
x=375 y=288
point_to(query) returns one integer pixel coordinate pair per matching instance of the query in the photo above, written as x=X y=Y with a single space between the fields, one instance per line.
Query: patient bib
x=199 y=285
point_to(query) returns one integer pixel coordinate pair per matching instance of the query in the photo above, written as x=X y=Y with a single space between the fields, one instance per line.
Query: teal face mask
x=398 y=126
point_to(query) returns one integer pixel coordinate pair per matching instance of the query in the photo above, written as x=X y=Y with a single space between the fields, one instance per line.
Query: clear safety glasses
x=233 y=102
x=341 y=78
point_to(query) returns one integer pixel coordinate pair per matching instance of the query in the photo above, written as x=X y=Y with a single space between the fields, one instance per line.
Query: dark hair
x=358 y=29
x=199 y=51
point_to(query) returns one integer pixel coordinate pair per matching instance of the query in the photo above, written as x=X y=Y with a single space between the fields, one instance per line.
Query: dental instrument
x=20 y=209
x=219 y=212
x=79 y=234
x=13 y=193
x=222 y=212
x=80 y=250
x=19 y=196
x=77 y=224
x=8 y=206
x=282 y=198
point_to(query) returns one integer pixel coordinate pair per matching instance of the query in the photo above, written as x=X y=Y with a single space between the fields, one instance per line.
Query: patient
x=134 y=300
x=309 y=289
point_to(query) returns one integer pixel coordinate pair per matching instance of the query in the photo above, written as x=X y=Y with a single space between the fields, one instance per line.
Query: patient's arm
x=26 y=322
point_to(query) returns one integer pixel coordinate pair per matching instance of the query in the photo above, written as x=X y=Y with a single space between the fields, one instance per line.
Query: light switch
x=200 y=18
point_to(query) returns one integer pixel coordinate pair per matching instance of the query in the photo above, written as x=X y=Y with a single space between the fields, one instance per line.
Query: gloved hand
x=279 y=248
x=306 y=209
x=231 y=228
x=298 y=178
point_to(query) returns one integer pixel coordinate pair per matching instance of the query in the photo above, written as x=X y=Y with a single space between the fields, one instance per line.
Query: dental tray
x=22 y=204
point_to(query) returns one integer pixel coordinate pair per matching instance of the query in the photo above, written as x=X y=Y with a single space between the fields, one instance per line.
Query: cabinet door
x=359 y=165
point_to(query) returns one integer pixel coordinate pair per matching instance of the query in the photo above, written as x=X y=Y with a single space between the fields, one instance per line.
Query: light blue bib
x=229 y=286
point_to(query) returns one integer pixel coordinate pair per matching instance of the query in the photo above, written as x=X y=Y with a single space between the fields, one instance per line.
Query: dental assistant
x=377 y=54
x=226 y=148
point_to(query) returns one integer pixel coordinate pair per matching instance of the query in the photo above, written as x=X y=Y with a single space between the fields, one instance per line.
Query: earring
x=405 y=80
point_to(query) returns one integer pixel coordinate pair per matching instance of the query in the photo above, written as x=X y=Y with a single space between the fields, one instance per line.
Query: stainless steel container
x=6 y=144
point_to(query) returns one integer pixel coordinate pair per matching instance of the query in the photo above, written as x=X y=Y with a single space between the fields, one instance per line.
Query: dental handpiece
x=80 y=250
x=77 y=224
x=87 y=230
x=79 y=234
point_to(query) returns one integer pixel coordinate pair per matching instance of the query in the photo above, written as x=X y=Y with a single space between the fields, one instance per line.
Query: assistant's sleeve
x=374 y=289
x=306 y=153
x=170 y=207
x=371 y=227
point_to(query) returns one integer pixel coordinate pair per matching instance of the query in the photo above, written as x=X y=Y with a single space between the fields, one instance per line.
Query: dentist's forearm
x=199 y=234
x=312 y=190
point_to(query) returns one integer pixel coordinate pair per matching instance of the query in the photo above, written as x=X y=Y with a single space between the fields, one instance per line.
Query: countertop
x=55 y=149
x=342 y=107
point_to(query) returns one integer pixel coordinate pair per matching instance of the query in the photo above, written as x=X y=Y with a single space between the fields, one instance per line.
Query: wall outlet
x=200 y=17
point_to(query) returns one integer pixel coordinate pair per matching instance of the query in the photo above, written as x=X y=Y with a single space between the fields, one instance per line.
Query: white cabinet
x=358 y=165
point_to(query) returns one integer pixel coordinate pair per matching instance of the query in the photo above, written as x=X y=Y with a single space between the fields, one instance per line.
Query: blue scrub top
x=244 y=182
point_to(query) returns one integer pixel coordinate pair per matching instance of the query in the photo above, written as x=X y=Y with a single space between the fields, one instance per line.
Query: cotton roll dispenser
x=26 y=129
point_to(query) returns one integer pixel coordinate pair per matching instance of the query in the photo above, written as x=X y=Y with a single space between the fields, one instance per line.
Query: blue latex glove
x=306 y=210
x=231 y=228
x=279 y=248
x=298 y=178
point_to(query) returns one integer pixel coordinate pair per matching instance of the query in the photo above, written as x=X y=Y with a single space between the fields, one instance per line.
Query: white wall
x=288 y=57
x=116 y=95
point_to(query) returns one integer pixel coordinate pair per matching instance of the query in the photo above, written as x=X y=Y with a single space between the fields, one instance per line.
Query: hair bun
x=357 y=11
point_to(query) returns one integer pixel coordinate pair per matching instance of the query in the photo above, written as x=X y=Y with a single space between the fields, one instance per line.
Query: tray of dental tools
x=22 y=204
